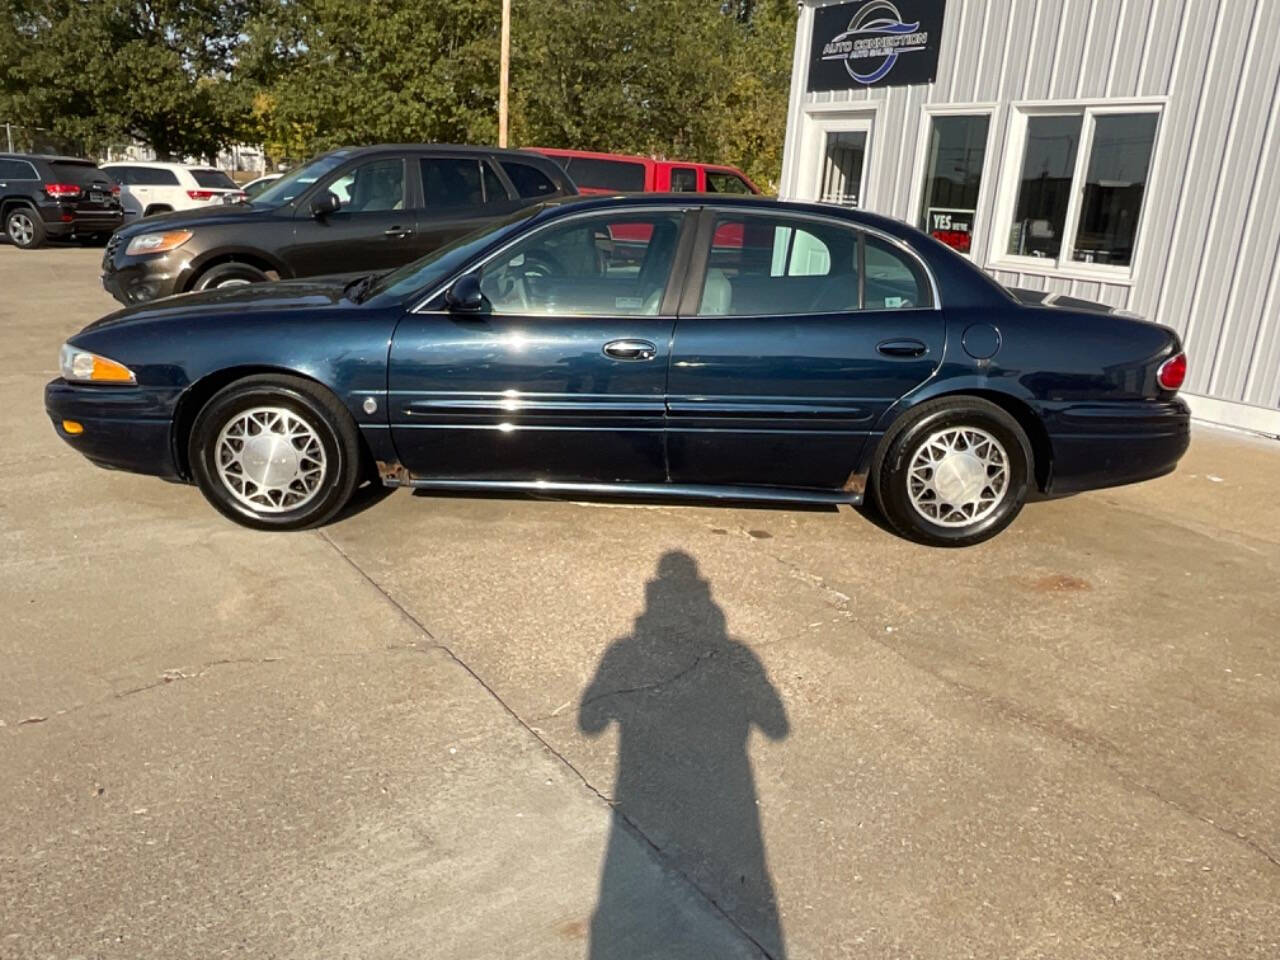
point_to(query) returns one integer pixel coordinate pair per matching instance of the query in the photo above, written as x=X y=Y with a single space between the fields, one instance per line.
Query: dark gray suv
x=353 y=210
x=55 y=197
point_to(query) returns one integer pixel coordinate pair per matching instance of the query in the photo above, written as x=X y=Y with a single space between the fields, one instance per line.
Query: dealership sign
x=875 y=43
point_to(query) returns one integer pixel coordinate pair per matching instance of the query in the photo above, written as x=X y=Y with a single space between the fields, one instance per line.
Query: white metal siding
x=1208 y=259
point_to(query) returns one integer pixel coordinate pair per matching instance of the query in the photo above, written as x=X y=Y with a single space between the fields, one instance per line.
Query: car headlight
x=157 y=242
x=81 y=366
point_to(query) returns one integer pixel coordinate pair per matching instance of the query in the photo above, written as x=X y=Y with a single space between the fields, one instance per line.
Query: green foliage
x=691 y=79
x=108 y=70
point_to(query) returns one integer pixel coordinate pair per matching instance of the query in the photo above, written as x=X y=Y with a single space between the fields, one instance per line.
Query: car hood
x=191 y=219
x=288 y=295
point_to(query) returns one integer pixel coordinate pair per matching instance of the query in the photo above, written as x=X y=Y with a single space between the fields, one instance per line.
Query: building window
x=954 y=160
x=1081 y=180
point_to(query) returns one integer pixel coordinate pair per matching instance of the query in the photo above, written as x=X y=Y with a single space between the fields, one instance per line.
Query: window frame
x=695 y=281
x=1010 y=174
x=991 y=165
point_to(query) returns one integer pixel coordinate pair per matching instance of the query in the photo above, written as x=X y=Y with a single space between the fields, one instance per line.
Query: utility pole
x=504 y=73
x=8 y=132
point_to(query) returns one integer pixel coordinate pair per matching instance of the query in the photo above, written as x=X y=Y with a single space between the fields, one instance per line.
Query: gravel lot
x=460 y=727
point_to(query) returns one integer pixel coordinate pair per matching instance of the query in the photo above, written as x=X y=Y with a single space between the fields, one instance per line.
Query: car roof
x=632 y=158
x=160 y=165
x=751 y=201
x=47 y=158
x=461 y=149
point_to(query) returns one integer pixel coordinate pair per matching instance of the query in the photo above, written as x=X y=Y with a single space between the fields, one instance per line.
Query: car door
x=460 y=193
x=786 y=352
x=372 y=229
x=561 y=376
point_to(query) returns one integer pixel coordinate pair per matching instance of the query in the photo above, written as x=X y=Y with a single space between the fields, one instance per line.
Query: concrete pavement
x=466 y=727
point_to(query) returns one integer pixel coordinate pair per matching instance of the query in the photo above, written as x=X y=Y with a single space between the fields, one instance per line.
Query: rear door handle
x=902 y=348
x=630 y=350
x=397 y=233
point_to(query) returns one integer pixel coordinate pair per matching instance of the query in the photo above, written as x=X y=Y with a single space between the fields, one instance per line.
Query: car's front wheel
x=275 y=453
x=229 y=275
x=24 y=228
x=956 y=474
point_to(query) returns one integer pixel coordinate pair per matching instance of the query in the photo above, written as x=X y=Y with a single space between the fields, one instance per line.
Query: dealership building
x=1119 y=151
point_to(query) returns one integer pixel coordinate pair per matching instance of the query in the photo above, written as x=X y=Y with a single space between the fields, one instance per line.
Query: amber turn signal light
x=72 y=427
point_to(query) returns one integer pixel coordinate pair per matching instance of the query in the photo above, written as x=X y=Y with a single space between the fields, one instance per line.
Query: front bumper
x=141 y=279
x=1106 y=445
x=124 y=428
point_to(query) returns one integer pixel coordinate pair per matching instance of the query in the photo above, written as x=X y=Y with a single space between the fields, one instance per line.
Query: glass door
x=843 y=162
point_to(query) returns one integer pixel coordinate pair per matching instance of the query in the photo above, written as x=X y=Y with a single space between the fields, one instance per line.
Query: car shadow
x=684 y=697
x=369 y=493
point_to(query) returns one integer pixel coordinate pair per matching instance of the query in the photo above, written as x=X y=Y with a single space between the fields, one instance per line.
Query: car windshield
x=296 y=181
x=419 y=275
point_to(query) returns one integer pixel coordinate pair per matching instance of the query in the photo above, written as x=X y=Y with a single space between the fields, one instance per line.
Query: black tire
x=320 y=411
x=228 y=275
x=892 y=481
x=25 y=228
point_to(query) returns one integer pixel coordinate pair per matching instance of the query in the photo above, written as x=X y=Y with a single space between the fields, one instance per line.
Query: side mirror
x=465 y=295
x=325 y=204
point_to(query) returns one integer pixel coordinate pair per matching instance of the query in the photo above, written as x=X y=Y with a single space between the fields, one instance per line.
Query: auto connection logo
x=876 y=37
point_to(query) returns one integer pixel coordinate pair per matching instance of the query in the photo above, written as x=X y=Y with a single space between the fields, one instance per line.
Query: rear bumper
x=81 y=222
x=124 y=428
x=1109 y=444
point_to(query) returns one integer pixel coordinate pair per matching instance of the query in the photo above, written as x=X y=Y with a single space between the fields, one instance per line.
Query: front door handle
x=397 y=233
x=630 y=350
x=902 y=348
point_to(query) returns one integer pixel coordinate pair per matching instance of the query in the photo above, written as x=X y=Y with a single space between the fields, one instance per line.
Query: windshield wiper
x=356 y=289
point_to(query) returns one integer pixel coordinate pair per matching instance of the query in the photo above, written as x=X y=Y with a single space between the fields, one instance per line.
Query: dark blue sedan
x=655 y=346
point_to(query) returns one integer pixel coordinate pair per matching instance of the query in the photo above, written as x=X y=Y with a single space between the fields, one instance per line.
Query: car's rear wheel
x=955 y=474
x=229 y=275
x=24 y=228
x=275 y=453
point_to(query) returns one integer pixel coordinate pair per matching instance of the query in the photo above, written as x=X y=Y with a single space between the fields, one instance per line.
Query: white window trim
x=990 y=170
x=1011 y=171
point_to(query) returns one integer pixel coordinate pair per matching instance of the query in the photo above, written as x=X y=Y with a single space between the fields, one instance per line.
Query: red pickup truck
x=618 y=173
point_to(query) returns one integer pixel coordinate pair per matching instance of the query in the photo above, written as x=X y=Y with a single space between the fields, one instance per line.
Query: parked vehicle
x=619 y=173
x=148 y=188
x=354 y=209
x=820 y=354
x=44 y=197
x=255 y=187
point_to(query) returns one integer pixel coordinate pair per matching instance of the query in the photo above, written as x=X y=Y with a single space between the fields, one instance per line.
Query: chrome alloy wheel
x=270 y=459
x=21 y=229
x=958 y=477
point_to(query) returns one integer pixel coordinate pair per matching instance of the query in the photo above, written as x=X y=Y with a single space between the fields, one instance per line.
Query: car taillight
x=62 y=191
x=115 y=189
x=200 y=194
x=1172 y=372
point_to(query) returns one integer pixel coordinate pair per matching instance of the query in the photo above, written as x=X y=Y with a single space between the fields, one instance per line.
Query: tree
x=111 y=70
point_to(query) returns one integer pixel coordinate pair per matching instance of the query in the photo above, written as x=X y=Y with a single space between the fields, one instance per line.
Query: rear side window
x=17 y=170
x=213 y=180
x=621 y=175
x=780 y=266
x=684 y=180
x=82 y=174
x=720 y=182
x=454 y=183
x=528 y=180
x=894 y=280
x=153 y=177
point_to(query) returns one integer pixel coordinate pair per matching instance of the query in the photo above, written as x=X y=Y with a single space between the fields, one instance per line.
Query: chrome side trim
x=673 y=491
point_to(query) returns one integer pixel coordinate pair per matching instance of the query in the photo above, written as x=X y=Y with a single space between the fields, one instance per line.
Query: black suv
x=43 y=197
x=354 y=210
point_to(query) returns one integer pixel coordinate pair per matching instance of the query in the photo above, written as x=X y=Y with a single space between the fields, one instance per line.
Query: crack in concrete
x=656 y=684
x=630 y=825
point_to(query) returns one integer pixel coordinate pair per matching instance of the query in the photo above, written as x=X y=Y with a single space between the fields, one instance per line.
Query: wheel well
x=201 y=392
x=248 y=259
x=157 y=208
x=14 y=202
x=1037 y=436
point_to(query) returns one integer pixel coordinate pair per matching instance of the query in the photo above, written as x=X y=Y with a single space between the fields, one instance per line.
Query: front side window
x=373 y=187
x=722 y=182
x=293 y=183
x=603 y=266
x=954 y=161
x=1044 y=187
x=763 y=265
x=1082 y=183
